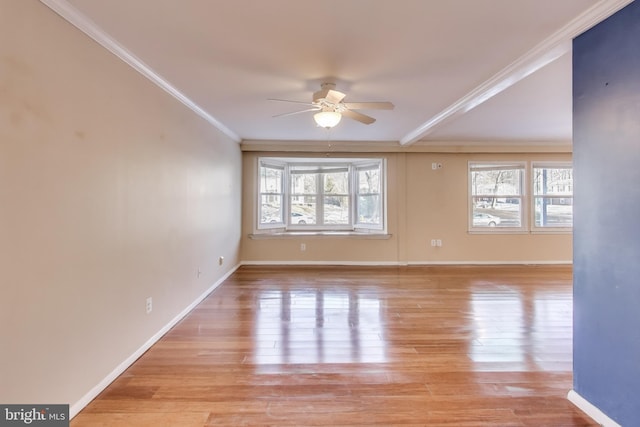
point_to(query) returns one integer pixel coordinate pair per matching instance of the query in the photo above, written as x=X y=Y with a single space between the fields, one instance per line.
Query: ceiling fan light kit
x=330 y=107
x=327 y=119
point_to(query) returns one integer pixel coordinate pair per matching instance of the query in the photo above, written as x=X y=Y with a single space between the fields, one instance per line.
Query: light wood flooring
x=356 y=346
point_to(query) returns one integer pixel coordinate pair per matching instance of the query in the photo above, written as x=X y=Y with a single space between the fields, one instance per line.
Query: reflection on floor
x=521 y=328
x=318 y=326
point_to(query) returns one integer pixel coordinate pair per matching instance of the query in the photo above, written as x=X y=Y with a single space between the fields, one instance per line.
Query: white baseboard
x=592 y=411
x=87 y=398
x=405 y=263
x=490 y=263
x=325 y=263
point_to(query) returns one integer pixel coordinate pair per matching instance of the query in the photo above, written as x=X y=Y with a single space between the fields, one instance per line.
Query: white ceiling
x=439 y=62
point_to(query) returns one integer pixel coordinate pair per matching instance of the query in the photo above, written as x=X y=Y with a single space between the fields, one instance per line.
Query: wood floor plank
x=360 y=346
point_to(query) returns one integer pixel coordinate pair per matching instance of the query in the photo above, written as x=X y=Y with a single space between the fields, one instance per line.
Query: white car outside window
x=485 y=220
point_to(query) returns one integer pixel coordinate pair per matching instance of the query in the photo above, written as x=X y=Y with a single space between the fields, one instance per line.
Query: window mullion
x=353 y=196
x=320 y=199
x=287 y=195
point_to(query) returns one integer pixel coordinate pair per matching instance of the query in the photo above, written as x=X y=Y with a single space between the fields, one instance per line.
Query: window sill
x=320 y=234
x=494 y=231
x=552 y=231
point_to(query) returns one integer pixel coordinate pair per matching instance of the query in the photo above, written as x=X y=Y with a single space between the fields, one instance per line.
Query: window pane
x=553 y=196
x=336 y=183
x=369 y=197
x=496 y=181
x=336 y=209
x=496 y=195
x=303 y=210
x=553 y=181
x=270 y=180
x=554 y=211
x=271 y=199
x=304 y=198
x=368 y=181
x=369 y=208
x=304 y=183
x=271 y=209
x=497 y=212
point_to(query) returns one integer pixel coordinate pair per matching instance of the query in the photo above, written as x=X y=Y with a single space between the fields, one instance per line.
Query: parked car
x=299 y=218
x=485 y=220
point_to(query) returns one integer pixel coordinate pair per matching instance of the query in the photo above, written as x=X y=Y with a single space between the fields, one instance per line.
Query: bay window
x=321 y=194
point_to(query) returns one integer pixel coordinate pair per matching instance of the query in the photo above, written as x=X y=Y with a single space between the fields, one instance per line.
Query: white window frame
x=320 y=170
x=364 y=165
x=274 y=164
x=352 y=165
x=495 y=165
x=534 y=197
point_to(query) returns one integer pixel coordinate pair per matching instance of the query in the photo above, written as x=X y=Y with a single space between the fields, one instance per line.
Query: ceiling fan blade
x=369 y=105
x=321 y=94
x=334 y=97
x=325 y=93
x=362 y=118
x=290 y=101
x=297 y=112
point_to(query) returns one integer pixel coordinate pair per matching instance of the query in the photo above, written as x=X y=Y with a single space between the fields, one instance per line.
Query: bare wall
x=111 y=191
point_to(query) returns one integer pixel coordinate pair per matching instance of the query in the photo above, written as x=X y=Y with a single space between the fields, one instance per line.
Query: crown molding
x=456 y=147
x=320 y=146
x=542 y=54
x=91 y=29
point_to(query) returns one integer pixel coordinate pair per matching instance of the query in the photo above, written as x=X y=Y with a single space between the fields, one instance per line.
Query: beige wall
x=111 y=191
x=423 y=204
x=318 y=249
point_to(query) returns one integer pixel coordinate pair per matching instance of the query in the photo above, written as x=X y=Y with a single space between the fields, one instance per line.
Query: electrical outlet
x=199 y=273
x=149 y=305
x=303 y=247
x=433 y=242
x=438 y=242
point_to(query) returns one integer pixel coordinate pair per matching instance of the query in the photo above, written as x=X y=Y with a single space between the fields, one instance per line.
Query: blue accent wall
x=606 y=146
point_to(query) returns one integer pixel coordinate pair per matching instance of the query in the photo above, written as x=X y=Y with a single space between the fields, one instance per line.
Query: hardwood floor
x=355 y=346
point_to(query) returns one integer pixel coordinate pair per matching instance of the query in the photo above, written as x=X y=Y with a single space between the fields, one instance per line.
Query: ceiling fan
x=330 y=107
